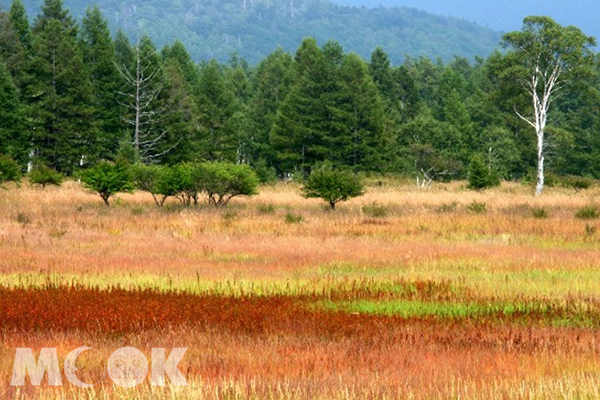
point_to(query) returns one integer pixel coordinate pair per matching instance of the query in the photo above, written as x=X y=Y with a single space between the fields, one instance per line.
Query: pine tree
x=302 y=132
x=20 y=22
x=219 y=140
x=271 y=85
x=480 y=175
x=360 y=115
x=14 y=140
x=65 y=134
x=99 y=60
x=12 y=52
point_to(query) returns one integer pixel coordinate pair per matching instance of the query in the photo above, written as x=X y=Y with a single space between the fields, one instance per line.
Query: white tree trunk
x=539 y=188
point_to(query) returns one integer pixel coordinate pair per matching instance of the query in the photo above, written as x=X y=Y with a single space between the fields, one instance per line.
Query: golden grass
x=66 y=236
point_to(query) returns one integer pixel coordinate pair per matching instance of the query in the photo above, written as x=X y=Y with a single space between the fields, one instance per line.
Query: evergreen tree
x=219 y=139
x=302 y=131
x=64 y=129
x=14 y=140
x=20 y=22
x=99 y=60
x=12 y=52
x=270 y=87
x=360 y=116
x=480 y=175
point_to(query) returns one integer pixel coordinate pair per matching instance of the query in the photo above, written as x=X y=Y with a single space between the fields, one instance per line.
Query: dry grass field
x=401 y=293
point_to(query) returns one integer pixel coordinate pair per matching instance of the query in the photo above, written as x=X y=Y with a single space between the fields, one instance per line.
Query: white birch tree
x=545 y=57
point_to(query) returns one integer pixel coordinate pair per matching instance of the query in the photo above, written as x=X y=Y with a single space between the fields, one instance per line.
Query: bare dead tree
x=144 y=86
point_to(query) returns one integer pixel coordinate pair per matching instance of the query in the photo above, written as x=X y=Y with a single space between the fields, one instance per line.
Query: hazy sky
x=505 y=15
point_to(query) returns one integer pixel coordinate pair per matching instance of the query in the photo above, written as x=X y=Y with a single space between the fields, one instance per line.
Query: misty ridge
x=255 y=28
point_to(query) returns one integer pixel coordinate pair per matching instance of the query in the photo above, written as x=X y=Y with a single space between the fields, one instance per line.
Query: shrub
x=9 y=170
x=264 y=173
x=448 y=207
x=156 y=180
x=480 y=175
x=107 y=179
x=375 y=210
x=266 y=209
x=44 y=176
x=588 y=212
x=540 y=213
x=477 y=207
x=184 y=181
x=221 y=182
x=291 y=218
x=332 y=185
x=577 y=182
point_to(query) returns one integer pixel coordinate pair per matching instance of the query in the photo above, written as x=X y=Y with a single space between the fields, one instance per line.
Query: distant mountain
x=254 y=28
x=503 y=15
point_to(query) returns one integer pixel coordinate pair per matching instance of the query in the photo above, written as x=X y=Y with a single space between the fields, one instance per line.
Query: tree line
x=72 y=96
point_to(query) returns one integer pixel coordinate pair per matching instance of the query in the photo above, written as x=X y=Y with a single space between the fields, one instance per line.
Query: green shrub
x=155 y=179
x=477 y=208
x=264 y=173
x=291 y=218
x=221 y=182
x=590 y=231
x=266 y=209
x=480 y=175
x=540 y=213
x=184 y=181
x=577 y=182
x=107 y=179
x=43 y=175
x=23 y=218
x=375 y=210
x=588 y=212
x=10 y=171
x=448 y=207
x=332 y=185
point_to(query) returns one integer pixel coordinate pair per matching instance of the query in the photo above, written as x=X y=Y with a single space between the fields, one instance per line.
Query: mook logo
x=126 y=367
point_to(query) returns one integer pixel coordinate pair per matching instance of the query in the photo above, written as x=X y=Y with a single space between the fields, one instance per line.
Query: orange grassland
x=401 y=293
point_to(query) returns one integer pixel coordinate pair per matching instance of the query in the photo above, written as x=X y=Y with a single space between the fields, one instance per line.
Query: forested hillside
x=71 y=96
x=502 y=15
x=254 y=28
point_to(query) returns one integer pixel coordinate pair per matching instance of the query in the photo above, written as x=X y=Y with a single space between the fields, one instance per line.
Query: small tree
x=480 y=175
x=184 y=181
x=44 y=176
x=223 y=181
x=107 y=179
x=546 y=57
x=156 y=180
x=332 y=185
x=9 y=170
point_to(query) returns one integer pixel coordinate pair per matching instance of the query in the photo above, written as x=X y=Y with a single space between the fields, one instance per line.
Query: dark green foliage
x=221 y=182
x=9 y=170
x=480 y=175
x=588 y=212
x=64 y=127
x=43 y=175
x=332 y=185
x=219 y=138
x=14 y=138
x=577 y=182
x=218 y=29
x=107 y=179
x=156 y=180
x=264 y=173
x=99 y=61
x=540 y=213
